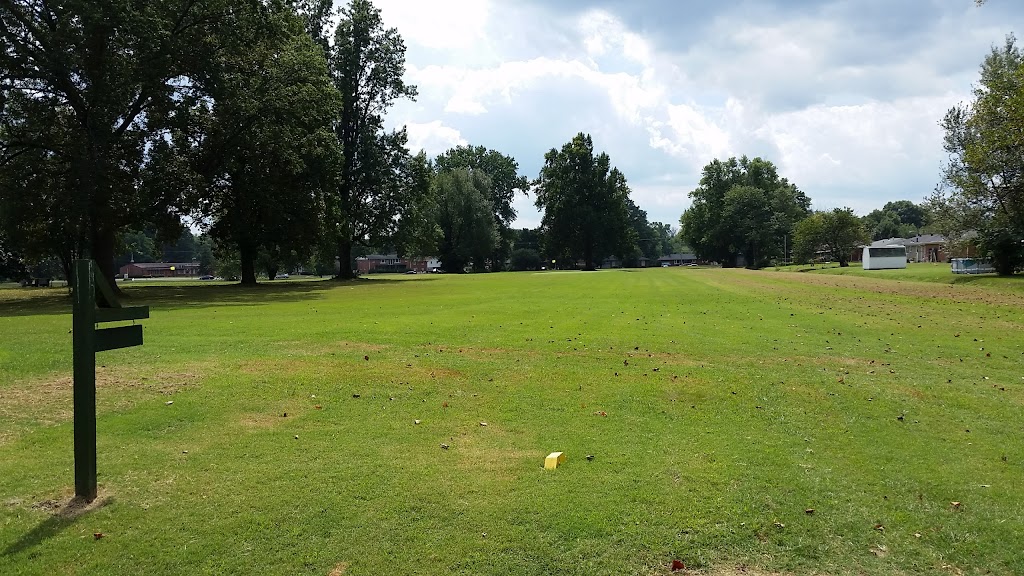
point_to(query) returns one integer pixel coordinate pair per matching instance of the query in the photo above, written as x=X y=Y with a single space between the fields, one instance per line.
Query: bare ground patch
x=301 y=348
x=491 y=449
x=48 y=401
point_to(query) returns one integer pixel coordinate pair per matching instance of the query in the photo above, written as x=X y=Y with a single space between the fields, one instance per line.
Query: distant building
x=678 y=259
x=383 y=263
x=920 y=248
x=159 y=269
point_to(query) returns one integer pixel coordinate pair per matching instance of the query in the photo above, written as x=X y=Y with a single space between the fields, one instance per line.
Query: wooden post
x=84 y=345
x=88 y=282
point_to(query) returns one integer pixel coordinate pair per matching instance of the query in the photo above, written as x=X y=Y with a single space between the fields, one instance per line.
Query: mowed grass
x=939 y=272
x=738 y=421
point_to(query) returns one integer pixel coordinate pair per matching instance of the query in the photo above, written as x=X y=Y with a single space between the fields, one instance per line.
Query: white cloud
x=433 y=137
x=438 y=24
x=847 y=106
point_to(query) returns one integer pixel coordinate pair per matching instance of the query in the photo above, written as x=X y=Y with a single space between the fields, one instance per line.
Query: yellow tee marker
x=553 y=460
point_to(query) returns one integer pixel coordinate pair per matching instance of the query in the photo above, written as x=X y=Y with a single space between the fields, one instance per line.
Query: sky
x=844 y=96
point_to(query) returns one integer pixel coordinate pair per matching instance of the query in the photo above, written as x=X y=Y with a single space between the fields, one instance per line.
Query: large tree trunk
x=103 y=254
x=345 y=259
x=247 y=255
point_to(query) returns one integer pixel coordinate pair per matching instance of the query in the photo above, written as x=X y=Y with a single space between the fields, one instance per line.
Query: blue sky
x=844 y=96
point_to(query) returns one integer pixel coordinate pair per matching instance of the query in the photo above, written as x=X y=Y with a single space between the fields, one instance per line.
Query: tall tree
x=265 y=148
x=86 y=88
x=984 y=177
x=465 y=217
x=367 y=63
x=503 y=172
x=717 y=228
x=585 y=204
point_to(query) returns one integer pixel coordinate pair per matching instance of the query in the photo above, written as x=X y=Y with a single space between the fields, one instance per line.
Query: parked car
x=207 y=277
x=281 y=277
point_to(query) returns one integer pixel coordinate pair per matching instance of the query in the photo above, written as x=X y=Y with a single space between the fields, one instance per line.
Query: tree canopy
x=87 y=87
x=742 y=206
x=503 y=173
x=983 y=181
x=835 y=234
x=585 y=203
x=367 y=62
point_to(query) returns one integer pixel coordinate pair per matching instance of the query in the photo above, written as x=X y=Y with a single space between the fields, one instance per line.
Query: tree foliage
x=464 y=217
x=835 y=234
x=585 y=203
x=86 y=88
x=742 y=206
x=265 y=150
x=367 y=62
x=983 y=181
x=897 y=219
x=503 y=172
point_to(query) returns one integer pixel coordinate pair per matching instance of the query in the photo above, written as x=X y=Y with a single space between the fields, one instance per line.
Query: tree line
x=744 y=212
x=262 y=123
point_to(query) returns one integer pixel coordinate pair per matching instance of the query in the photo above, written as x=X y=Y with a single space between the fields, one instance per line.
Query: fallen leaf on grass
x=445 y=446
x=98 y=535
x=955 y=505
x=444 y=404
x=600 y=413
x=678 y=565
x=809 y=511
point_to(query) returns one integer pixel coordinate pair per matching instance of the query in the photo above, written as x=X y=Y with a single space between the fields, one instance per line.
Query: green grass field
x=740 y=422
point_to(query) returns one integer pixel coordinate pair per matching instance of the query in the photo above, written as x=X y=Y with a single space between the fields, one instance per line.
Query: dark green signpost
x=94 y=302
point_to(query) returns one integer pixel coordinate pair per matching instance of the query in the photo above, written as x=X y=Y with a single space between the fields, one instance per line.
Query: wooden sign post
x=94 y=302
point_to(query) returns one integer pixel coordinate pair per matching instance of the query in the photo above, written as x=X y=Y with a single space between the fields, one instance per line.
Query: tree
x=465 y=217
x=525 y=259
x=837 y=233
x=418 y=233
x=983 y=180
x=807 y=238
x=503 y=172
x=86 y=89
x=757 y=216
x=367 y=63
x=265 y=147
x=584 y=199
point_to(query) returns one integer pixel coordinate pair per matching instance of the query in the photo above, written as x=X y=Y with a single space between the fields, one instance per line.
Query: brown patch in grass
x=492 y=449
x=339 y=569
x=301 y=348
x=740 y=570
x=69 y=507
x=45 y=402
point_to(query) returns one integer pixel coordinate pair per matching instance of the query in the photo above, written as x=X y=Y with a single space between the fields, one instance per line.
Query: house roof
x=162 y=265
x=671 y=257
x=379 y=257
x=914 y=241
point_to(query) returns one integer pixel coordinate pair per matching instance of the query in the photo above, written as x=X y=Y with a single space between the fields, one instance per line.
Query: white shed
x=885 y=257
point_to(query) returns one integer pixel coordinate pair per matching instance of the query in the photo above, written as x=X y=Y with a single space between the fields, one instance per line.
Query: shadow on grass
x=60 y=519
x=177 y=296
